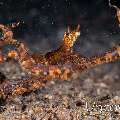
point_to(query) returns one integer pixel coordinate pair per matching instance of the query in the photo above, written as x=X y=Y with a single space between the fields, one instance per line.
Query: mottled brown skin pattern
x=57 y=64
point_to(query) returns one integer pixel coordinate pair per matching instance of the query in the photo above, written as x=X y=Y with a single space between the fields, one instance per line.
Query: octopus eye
x=67 y=33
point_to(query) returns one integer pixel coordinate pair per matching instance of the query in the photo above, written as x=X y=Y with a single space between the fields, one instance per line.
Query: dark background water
x=46 y=20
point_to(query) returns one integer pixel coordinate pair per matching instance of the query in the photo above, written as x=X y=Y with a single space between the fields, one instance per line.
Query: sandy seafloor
x=91 y=95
